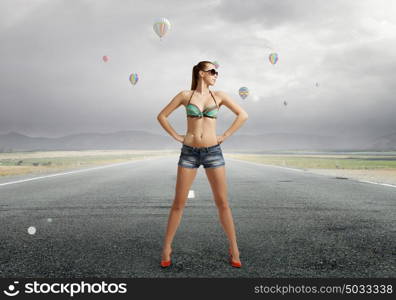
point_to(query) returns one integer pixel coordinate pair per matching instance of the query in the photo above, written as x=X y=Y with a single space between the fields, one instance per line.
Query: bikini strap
x=191 y=97
x=213 y=98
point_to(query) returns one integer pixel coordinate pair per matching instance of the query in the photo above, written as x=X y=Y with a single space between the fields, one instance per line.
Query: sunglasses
x=212 y=72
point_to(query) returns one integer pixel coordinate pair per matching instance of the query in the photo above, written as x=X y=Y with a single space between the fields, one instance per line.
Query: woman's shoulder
x=190 y=92
x=186 y=93
x=220 y=95
x=185 y=96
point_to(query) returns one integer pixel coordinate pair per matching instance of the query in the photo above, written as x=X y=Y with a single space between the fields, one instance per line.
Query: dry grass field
x=362 y=167
x=17 y=163
x=375 y=168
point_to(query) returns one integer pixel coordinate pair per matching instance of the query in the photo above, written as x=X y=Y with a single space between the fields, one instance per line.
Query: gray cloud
x=53 y=81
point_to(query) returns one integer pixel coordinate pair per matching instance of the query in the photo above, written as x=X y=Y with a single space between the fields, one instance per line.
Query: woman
x=201 y=146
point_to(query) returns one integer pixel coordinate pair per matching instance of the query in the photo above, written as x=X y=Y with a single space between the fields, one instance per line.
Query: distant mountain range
x=14 y=141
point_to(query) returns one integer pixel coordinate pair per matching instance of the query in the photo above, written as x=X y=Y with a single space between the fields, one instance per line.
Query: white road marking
x=191 y=194
x=264 y=165
x=385 y=184
x=71 y=172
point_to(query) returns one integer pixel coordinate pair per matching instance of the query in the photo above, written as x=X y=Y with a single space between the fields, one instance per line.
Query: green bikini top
x=193 y=111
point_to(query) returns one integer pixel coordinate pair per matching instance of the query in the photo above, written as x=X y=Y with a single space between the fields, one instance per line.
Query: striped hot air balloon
x=133 y=78
x=216 y=64
x=273 y=58
x=161 y=27
x=243 y=92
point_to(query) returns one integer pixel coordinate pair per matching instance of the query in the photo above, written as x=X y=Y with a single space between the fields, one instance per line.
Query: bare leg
x=218 y=183
x=185 y=178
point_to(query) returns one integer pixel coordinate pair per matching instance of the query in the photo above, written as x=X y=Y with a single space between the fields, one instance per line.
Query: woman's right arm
x=162 y=116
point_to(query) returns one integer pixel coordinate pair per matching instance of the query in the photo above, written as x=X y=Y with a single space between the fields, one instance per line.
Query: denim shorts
x=193 y=157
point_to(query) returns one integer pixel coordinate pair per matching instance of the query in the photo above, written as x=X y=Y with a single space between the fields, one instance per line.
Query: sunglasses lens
x=213 y=72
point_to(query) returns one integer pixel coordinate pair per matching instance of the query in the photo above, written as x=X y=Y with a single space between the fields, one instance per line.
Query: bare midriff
x=201 y=132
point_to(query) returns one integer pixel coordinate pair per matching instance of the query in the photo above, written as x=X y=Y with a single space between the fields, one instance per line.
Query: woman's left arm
x=242 y=115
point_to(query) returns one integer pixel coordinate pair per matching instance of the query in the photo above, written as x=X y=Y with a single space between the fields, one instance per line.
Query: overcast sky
x=54 y=82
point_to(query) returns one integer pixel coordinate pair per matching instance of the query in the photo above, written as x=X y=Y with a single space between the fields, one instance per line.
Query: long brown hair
x=198 y=67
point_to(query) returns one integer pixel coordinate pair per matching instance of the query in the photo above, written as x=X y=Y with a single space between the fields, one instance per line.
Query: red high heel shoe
x=166 y=263
x=233 y=263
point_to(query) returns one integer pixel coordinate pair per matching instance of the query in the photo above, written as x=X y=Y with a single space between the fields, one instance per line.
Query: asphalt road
x=110 y=222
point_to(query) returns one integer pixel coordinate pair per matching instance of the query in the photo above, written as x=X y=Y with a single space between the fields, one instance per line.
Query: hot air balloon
x=284 y=103
x=273 y=58
x=105 y=58
x=133 y=78
x=243 y=92
x=161 y=27
x=216 y=64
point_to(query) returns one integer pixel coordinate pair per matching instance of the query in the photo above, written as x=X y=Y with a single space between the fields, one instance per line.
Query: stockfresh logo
x=12 y=290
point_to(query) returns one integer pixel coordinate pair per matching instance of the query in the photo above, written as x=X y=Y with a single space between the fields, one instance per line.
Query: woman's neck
x=202 y=88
